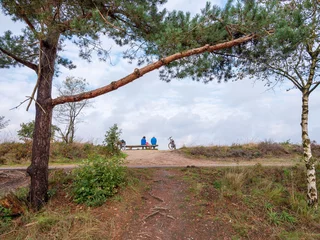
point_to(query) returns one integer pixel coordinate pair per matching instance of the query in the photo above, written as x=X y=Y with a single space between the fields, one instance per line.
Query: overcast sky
x=192 y=113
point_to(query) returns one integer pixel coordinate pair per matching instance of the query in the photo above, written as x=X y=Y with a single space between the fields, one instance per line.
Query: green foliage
x=111 y=141
x=217 y=184
x=97 y=179
x=279 y=218
x=26 y=131
x=5 y=217
x=123 y=21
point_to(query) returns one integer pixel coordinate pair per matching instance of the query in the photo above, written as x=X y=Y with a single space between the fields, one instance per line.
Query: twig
x=107 y=22
x=30 y=224
x=150 y=215
x=38 y=79
x=160 y=208
x=38 y=105
x=20 y=104
x=168 y=216
x=172 y=217
x=159 y=199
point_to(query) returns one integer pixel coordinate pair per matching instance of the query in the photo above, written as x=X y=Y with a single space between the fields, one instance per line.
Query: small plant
x=5 y=217
x=217 y=184
x=111 y=141
x=274 y=217
x=286 y=217
x=97 y=180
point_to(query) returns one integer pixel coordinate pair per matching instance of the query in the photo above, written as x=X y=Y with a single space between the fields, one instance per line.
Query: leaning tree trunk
x=312 y=194
x=38 y=170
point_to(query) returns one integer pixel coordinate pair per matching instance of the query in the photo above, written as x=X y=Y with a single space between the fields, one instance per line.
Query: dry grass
x=13 y=153
x=266 y=149
x=244 y=202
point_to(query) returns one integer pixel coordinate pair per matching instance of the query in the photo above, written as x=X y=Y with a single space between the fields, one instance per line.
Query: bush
x=112 y=140
x=97 y=180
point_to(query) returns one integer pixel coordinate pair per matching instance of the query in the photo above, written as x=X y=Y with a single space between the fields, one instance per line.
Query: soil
x=163 y=211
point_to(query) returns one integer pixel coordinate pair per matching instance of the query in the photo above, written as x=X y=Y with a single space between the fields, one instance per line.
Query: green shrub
x=112 y=140
x=5 y=217
x=97 y=179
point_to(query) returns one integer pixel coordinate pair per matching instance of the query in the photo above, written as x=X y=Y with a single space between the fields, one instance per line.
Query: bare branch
x=285 y=74
x=16 y=107
x=38 y=79
x=140 y=72
x=23 y=62
x=314 y=87
x=109 y=23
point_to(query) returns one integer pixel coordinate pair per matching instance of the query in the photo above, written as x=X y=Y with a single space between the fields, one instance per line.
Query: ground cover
x=179 y=203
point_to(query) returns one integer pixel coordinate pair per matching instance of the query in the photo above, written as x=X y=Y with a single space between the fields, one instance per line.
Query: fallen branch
x=172 y=217
x=160 y=208
x=150 y=215
x=168 y=216
x=155 y=197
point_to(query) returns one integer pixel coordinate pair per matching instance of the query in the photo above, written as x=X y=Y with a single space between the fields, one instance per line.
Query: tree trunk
x=312 y=194
x=38 y=170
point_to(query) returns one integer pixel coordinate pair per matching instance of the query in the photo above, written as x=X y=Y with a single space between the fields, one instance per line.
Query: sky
x=191 y=112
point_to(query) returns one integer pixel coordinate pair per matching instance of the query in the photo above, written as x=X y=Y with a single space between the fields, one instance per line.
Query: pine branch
x=27 y=21
x=66 y=24
x=23 y=62
x=140 y=72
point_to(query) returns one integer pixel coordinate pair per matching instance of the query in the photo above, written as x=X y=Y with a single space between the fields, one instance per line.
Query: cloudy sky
x=193 y=113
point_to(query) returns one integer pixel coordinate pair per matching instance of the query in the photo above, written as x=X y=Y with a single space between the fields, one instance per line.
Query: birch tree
x=68 y=115
x=288 y=52
x=291 y=54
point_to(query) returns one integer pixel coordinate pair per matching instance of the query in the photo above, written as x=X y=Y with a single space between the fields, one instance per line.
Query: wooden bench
x=144 y=147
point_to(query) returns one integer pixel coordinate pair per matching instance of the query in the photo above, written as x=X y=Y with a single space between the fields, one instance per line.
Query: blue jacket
x=153 y=141
x=143 y=141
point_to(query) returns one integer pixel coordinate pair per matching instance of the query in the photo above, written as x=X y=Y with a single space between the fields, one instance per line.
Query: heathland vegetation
x=240 y=202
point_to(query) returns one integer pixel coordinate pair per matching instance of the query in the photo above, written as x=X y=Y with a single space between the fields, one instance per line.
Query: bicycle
x=171 y=145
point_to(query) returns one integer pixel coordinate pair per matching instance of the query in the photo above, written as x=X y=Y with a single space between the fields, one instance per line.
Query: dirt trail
x=160 y=214
x=13 y=177
x=166 y=212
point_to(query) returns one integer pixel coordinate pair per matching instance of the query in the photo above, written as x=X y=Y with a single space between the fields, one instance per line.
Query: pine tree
x=137 y=23
x=48 y=25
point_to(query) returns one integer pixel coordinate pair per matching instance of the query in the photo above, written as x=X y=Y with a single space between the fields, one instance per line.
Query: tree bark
x=312 y=194
x=38 y=170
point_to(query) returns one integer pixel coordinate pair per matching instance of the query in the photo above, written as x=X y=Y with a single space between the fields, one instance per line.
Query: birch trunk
x=312 y=194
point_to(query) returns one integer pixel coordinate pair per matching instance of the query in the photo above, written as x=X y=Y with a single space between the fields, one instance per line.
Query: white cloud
x=193 y=113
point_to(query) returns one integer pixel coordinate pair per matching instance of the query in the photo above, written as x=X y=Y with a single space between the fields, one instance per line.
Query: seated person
x=153 y=142
x=143 y=141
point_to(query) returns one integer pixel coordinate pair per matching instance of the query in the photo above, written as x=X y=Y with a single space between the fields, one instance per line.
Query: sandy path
x=163 y=158
x=166 y=158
